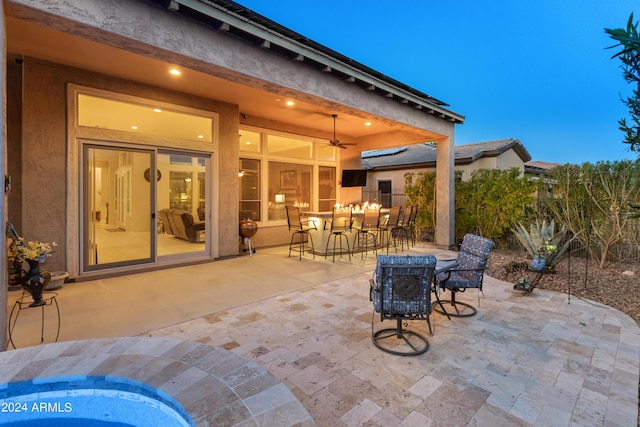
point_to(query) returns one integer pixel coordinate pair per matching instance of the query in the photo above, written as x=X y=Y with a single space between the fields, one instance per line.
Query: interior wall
x=44 y=167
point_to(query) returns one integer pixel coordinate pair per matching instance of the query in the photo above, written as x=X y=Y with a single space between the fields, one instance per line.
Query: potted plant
x=32 y=253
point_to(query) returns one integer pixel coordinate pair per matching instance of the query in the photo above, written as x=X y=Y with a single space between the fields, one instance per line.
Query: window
x=289 y=184
x=249 y=141
x=180 y=190
x=326 y=188
x=249 y=175
x=278 y=170
x=99 y=112
x=289 y=147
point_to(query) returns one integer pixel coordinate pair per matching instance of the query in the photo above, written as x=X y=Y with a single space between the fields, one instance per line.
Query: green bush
x=490 y=203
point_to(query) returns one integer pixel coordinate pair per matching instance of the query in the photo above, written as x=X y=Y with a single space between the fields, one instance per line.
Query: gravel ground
x=617 y=286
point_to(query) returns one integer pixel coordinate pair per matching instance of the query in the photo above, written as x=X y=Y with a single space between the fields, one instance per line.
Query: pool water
x=95 y=401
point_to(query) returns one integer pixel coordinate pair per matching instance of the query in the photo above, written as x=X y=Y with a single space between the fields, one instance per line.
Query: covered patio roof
x=257 y=87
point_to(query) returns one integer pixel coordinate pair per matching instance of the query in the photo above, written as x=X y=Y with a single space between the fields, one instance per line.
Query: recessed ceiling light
x=200 y=136
x=134 y=127
x=248 y=143
x=290 y=103
x=157 y=110
x=367 y=123
x=174 y=72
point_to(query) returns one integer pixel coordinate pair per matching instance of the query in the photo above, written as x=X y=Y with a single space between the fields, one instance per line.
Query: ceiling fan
x=334 y=142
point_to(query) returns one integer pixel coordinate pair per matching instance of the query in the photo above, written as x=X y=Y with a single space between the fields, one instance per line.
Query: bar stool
x=341 y=222
x=301 y=229
x=367 y=231
x=389 y=229
x=406 y=226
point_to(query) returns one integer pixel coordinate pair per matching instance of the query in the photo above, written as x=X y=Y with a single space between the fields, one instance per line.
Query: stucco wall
x=44 y=213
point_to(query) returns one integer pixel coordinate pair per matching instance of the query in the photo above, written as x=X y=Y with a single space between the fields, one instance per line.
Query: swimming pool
x=97 y=401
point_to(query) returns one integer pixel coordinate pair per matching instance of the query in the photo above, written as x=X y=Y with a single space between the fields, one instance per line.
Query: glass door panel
x=182 y=204
x=117 y=214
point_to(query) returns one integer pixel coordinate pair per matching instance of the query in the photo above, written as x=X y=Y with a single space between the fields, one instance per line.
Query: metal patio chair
x=401 y=291
x=465 y=272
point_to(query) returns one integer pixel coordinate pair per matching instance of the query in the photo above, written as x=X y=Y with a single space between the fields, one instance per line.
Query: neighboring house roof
x=538 y=167
x=243 y=23
x=424 y=155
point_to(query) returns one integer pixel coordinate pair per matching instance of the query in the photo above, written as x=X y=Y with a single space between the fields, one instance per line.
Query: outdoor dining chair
x=300 y=230
x=401 y=291
x=465 y=272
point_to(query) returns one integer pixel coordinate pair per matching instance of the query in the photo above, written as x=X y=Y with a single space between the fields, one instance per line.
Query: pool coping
x=214 y=386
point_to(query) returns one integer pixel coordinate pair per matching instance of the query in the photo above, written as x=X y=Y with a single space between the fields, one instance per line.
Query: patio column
x=445 y=195
x=3 y=171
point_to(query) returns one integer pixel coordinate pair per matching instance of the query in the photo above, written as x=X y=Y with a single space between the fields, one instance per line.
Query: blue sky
x=538 y=70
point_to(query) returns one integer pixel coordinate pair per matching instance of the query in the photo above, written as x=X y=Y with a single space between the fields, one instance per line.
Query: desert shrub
x=598 y=199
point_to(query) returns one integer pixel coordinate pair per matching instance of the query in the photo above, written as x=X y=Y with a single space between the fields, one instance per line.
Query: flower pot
x=35 y=281
x=57 y=279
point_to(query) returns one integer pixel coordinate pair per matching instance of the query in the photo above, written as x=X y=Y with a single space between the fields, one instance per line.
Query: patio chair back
x=472 y=260
x=465 y=273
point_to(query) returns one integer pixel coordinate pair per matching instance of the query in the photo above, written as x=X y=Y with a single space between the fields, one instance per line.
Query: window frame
x=266 y=158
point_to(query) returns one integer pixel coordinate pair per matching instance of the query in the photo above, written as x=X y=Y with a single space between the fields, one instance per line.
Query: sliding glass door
x=182 y=204
x=118 y=215
x=142 y=206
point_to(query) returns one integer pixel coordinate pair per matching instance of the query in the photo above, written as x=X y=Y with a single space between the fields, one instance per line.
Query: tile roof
x=424 y=154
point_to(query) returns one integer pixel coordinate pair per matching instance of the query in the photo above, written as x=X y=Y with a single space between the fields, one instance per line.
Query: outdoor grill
x=248 y=228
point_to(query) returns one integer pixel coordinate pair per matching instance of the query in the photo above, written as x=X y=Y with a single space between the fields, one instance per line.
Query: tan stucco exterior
x=126 y=47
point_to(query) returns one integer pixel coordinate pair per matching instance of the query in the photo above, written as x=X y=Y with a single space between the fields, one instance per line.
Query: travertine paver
x=521 y=361
x=215 y=387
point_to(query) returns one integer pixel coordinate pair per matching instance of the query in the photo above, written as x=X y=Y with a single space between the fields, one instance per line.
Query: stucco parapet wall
x=144 y=29
x=196 y=375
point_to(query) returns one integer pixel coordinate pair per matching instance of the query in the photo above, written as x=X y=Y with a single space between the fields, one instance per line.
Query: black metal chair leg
x=453 y=303
x=400 y=336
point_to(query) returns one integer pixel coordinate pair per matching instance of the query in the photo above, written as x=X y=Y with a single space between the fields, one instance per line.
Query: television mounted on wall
x=354 y=177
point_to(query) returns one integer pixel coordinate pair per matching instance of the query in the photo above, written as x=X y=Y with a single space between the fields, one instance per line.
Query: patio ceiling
x=27 y=37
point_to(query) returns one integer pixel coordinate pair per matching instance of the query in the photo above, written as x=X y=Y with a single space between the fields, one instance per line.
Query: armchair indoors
x=180 y=224
x=465 y=272
x=300 y=229
x=401 y=291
